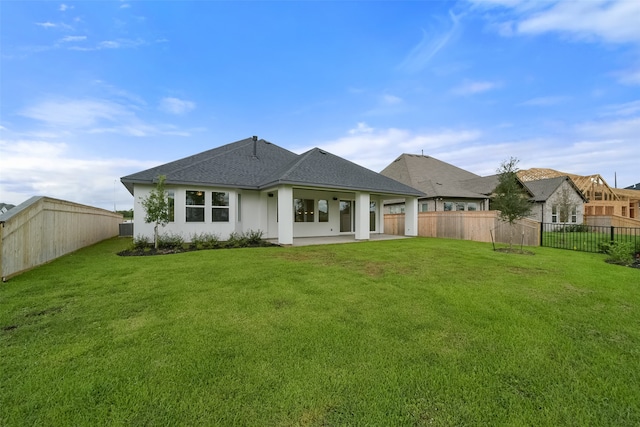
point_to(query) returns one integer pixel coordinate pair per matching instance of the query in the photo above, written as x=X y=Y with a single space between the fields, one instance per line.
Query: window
x=554 y=214
x=323 y=211
x=195 y=206
x=459 y=206
x=424 y=207
x=372 y=216
x=219 y=206
x=396 y=209
x=472 y=206
x=303 y=210
x=171 y=195
x=574 y=214
x=448 y=206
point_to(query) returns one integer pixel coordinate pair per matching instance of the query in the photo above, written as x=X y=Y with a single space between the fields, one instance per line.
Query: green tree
x=565 y=205
x=510 y=198
x=156 y=206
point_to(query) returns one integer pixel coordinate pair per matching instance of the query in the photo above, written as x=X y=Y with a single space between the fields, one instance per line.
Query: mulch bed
x=167 y=251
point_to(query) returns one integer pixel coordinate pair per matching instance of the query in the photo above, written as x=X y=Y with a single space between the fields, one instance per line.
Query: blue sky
x=92 y=91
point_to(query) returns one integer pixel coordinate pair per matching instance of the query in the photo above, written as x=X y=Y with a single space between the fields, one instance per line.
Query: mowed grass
x=388 y=333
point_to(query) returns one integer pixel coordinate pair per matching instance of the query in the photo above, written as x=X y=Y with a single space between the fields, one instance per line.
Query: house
x=446 y=187
x=602 y=200
x=253 y=184
x=556 y=200
x=450 y=188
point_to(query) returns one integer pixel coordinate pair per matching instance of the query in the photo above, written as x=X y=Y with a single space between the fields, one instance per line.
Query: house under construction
x=603 y=201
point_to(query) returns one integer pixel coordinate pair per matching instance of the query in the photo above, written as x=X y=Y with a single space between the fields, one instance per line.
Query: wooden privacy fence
x=42 y=229
x=611 y=221
x=468 y=225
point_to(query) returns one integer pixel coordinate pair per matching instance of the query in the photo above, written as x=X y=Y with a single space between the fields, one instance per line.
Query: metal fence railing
x=587 y=238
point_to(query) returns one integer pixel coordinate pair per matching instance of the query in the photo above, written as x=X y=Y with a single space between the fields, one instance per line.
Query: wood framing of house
x=602 y=200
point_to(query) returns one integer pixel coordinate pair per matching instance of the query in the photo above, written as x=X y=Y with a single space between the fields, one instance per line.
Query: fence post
x=612 y=228
x=541 y=233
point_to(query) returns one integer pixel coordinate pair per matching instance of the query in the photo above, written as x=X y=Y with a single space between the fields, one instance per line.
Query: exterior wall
x=434 y=205
x=45 y=229
x=259 y=210
x=555 y=199
x=180 y=225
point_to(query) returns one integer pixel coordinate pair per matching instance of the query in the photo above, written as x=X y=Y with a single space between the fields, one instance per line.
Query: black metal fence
x=587 y=238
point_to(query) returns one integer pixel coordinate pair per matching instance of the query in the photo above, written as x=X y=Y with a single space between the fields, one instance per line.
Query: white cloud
x=376 y=148
x=611 y=21
x=629 y=77
x=70 y=39
x=545 y=101
x=96 y=116
x=75 y=113
x=391 y=99
x=176 y=106
x=35 y=167
x=46 y=24
x=625 y=109
x=64 y=7
x=474 y=87
x=432 y=42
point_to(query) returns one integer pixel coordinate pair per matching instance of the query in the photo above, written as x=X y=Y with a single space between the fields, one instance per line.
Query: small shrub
x=140 y=242
x=205 y=240
x=620 y=253
x=170 y=241
x=254 y=237
x=236 y=240
x=210 y=240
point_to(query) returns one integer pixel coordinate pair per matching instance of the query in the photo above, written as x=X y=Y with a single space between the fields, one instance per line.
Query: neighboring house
x=557 y=200
x=602 y=200
x=633 y=187
x=256 y=185
x=450 y=188
x=6 y=207
x=445 y=187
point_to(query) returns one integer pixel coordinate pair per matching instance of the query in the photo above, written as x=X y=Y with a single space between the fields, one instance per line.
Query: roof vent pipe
x=255 y=146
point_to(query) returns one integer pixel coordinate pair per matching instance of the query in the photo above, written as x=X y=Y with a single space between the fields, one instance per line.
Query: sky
x=92 y=91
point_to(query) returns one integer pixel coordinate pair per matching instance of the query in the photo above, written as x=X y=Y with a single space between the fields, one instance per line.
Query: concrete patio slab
x=332 y=240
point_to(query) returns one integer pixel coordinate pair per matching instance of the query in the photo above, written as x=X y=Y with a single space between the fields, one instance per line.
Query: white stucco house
x=253 y=184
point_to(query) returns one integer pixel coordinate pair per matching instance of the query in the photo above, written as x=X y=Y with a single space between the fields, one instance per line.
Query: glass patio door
x=347 y=209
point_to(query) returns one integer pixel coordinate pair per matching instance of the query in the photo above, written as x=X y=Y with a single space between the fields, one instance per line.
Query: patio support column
x=411 y=216
x=285 y=215
x=362 y=216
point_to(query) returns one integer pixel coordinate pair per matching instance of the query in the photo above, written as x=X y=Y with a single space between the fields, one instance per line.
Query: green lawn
x=389 y=333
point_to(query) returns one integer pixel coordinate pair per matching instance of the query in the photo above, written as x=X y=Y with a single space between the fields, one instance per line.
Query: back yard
x=405 y=332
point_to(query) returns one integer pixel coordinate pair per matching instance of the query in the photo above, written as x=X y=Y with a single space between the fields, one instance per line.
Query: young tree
x=156 y=206
x=565 y=204
x=509 y=197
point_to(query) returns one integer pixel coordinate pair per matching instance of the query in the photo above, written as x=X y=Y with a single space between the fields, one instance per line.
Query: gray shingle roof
x=243 y=164
x=542 y=189
x=433 y=177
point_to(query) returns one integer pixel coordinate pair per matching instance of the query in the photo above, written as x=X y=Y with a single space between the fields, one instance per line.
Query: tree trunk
x=155 y=236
